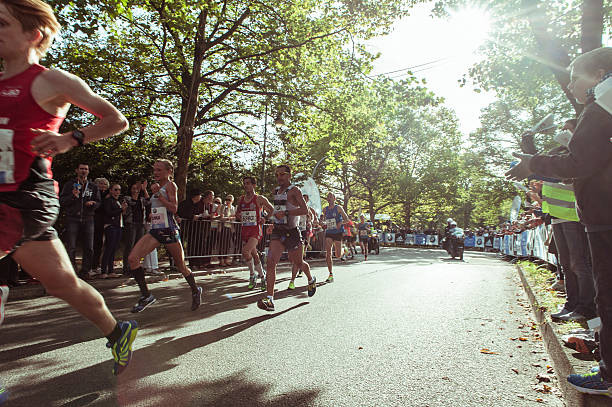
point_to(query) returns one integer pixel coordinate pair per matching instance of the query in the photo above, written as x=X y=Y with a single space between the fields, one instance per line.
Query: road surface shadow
x=95 y=381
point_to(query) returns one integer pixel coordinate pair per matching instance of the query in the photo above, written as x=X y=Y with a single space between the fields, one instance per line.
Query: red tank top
x=250 y=220
x=19 y=113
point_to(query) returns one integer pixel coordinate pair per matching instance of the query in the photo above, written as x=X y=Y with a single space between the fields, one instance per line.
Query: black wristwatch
x=287 y=213
x=79 y=136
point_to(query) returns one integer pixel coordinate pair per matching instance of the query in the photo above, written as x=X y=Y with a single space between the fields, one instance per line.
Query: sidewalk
x=27 y=291
x=564 y=360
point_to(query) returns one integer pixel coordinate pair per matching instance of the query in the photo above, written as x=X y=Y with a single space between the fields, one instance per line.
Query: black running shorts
x=290 y=238
x=337 y=237
x=28 y=214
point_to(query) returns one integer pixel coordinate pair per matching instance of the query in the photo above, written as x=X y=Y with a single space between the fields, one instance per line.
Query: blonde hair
x=35 y=15
x=590 y=62
x=169 y=166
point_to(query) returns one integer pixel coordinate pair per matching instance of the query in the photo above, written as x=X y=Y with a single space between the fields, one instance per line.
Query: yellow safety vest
x=559 y=200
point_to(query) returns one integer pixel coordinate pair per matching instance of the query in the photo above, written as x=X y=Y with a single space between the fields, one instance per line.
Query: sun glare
x=470 y=29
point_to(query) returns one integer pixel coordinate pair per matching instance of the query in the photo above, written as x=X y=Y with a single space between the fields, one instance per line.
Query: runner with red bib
x=34 y=101
x=248 y=212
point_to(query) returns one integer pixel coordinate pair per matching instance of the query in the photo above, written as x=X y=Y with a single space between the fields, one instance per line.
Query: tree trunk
x=591 y=25
x=408 y=214
x=189 y=110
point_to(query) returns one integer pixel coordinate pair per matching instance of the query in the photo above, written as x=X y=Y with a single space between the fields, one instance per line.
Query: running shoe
x=196 y=299
x=266 y=304
x=122 y=349
x=330 y=279
x=299 y=274
x=143 y=303
x=4 y=292
x=262 y=283
x=590 y=383
x=252 y=282
x=312 y=287
x=291 y=286
x=3 y=394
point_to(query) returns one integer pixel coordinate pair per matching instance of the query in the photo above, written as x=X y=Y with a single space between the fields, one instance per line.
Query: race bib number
x=363 y=232
x=159 y=218
x=282 y=209
x=330 y=223
x=7 y=157
x=249 y=218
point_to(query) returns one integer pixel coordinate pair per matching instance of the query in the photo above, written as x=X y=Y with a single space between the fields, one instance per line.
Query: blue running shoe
x=590 y=383
x=3 y=394
x=143 y=303
x=122 y=349
x=196 y=299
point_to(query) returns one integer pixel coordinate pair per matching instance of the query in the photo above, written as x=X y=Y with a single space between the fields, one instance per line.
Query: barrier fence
x=530 y=243
x=204 y=239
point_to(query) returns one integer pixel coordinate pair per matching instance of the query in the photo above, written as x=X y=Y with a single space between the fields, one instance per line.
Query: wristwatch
x=79 y=136
x=287 y=213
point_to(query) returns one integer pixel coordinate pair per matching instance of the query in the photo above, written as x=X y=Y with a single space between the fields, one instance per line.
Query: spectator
x=589 y=162
x=98 y=239
x=134 y=219
x=227 y=214
x=208 y=214
x=79 y=200
x=191 y=210
x=113 y=221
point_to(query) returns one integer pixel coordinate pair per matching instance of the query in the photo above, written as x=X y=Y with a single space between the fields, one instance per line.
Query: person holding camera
x=79 y=199
x=114 y=208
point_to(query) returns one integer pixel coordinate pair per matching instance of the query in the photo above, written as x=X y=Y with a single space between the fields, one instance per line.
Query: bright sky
x=420 y=39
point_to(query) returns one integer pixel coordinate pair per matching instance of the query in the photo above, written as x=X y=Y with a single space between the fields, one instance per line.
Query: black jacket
x=589 y=163
x=112 y=211
x=74 y=207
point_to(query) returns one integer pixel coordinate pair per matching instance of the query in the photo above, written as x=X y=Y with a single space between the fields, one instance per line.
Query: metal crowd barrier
x=527 y=244
x=206 y=239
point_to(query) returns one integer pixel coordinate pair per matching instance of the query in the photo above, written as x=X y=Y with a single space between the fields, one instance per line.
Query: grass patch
x=537 y=276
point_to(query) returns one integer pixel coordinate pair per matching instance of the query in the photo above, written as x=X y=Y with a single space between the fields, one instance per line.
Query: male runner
x=305 y=226
x=289 y=204
x=334 y=217
x=33 y=103
x=363 y=229
x=248 y=212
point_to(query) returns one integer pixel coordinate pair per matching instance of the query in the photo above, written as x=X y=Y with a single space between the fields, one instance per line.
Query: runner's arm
x=169 y=203
x=70 y=89
x=301 y=203
x=265 y=204
x=345 y=218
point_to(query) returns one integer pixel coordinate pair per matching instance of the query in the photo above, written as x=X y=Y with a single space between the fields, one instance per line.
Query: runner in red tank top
x=248 y=213
x=33 y=104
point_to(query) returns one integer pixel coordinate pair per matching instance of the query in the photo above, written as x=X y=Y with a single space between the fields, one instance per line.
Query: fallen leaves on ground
x=488 y=352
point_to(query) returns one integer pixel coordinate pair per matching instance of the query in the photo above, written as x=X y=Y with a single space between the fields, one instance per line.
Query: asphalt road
x=405 y=328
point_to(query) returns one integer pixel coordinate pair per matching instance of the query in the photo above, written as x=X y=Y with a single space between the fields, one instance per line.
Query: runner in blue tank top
x=334 y=218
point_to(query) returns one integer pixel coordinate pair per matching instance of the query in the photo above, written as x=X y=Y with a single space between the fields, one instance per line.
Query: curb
x=26 y=291
x=563 y=361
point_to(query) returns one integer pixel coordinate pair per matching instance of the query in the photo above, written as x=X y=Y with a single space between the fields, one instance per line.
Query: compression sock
x=191 y=280
x=114 y=335
x=139 y=276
